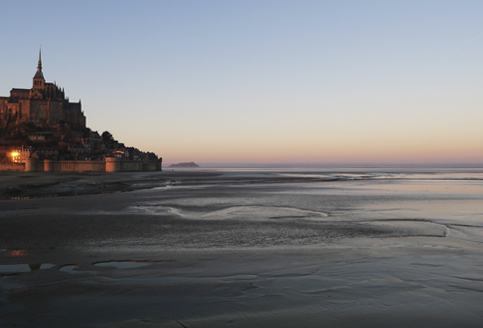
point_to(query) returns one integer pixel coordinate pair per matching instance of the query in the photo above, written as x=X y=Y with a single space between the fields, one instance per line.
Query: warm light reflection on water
x=17 y=253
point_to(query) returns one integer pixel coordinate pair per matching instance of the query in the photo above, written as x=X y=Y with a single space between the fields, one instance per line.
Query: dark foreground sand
x=123 y=260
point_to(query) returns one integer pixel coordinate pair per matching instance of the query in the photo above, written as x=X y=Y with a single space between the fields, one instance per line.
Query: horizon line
x=329 y=164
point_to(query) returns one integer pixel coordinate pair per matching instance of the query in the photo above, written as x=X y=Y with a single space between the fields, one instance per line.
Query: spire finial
x=39 y=67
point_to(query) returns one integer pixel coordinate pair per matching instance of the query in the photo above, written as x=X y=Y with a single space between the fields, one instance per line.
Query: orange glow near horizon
x=329 y=136
x=325 y=149
x=328 y=155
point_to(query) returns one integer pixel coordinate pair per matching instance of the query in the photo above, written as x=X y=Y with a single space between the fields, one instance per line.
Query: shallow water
x=260 y=248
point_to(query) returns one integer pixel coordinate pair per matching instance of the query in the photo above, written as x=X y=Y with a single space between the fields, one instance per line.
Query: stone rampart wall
x=82 y=166
x=109 y=165
x=12 y=167
x=152 y=166
x=127 y=166
x=38 y=166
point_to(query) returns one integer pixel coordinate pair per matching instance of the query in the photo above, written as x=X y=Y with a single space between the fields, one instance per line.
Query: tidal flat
x=362 y=247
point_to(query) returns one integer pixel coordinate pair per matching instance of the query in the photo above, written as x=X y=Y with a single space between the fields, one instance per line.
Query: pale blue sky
x=263 y=81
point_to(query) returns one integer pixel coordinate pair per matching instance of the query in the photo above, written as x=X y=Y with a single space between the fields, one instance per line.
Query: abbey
x=44 y=104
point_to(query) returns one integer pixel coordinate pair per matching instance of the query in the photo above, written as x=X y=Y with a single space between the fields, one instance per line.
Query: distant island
x=185 y=165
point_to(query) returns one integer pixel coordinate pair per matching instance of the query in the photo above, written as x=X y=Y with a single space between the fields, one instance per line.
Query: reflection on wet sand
x=17 y=252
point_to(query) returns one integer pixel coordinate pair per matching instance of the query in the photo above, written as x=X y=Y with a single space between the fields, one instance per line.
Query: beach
x=363 y=247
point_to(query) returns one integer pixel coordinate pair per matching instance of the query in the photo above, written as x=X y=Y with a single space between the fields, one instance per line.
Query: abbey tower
x=44 y=104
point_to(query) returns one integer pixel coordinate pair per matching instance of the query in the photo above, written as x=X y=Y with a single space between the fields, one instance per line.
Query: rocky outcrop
x=185 y=165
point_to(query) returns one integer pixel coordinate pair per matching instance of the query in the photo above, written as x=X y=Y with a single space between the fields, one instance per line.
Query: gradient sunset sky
x=263 y=81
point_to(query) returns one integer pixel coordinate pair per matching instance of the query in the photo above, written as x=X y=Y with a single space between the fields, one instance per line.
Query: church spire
x=39 y=66
x=39 y=80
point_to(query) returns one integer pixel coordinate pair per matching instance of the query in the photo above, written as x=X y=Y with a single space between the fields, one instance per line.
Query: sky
x=263 y=81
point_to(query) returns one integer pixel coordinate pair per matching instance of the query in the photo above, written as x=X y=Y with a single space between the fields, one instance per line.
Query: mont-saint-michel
x=41 y=130
x=340 y=152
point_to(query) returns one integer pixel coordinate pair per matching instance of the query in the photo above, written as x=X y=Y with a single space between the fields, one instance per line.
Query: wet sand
x=244 y=249
x=17 y=185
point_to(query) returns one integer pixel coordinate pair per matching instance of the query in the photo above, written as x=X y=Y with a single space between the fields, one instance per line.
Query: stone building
x=44 y=104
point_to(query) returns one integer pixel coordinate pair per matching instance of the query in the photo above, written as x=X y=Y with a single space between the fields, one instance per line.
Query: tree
x=107 y=137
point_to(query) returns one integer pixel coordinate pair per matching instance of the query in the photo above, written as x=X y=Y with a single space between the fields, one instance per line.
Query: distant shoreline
x=333 y=165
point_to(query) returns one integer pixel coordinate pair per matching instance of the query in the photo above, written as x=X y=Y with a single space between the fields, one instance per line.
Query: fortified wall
x=109 y=165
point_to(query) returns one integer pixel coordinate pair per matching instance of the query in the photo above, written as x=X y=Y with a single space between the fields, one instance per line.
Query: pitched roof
x=39 y=75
